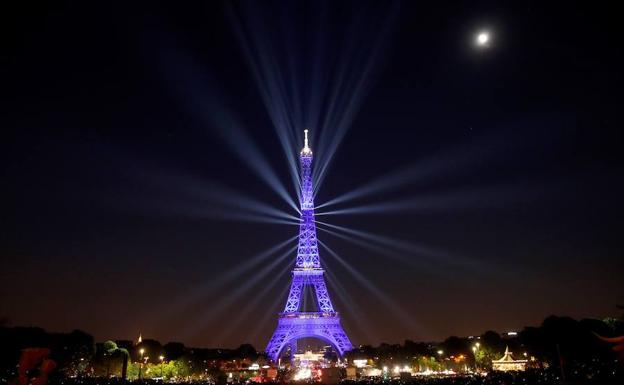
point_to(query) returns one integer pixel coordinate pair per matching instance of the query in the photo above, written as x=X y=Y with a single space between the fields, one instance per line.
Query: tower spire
x=306 y=149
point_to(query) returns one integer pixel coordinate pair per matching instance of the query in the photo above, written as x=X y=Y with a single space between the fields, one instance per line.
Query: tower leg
x=293 y=350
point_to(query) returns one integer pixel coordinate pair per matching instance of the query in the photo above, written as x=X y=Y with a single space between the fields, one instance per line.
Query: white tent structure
x=507 y=363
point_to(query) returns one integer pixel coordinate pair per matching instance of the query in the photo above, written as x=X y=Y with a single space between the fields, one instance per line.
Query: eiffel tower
x=324 y=323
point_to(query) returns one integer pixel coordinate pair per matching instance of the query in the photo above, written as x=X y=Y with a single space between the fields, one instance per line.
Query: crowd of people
x=532 y=377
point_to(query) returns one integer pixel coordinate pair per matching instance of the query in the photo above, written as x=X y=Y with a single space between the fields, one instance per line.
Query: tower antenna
x=306 y=148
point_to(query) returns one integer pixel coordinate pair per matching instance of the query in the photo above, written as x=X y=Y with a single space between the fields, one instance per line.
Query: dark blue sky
x=112 y=123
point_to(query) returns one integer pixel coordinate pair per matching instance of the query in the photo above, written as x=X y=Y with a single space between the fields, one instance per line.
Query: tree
x=491 y=347
x=174 y=350
x=153 y=349
x=246 y=351
x=454 y=346
x=73 y=351
x=112 y=349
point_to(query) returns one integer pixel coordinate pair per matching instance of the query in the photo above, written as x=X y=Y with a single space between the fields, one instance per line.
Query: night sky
x=498 y=169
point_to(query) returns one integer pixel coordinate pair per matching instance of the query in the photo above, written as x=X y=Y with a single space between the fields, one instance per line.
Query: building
x=507 y=363
x=309 y=358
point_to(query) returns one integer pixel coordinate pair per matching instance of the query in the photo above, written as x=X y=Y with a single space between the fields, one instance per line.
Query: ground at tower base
x=559 y=351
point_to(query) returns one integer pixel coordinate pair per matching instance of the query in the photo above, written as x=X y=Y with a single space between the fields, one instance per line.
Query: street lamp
x=475 y=348
x=162 y=358
x=141 y=351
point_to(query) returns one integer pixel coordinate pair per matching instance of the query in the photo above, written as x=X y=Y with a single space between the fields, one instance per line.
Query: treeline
x=558 y=339
x=76 y=354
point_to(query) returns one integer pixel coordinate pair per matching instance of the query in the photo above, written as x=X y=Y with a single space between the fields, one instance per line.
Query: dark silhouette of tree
x=492 y=340
x=73 y=351
x=152 y=349
x=112 y=349
x=174 y=350
x=125 y=344
x=455 y=346
x=246 y=351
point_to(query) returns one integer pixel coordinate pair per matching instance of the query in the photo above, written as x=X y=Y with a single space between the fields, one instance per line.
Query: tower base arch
x=294 y=326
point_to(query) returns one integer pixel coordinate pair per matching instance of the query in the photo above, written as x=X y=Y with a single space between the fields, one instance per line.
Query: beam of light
x=256 y=50
x=479 y=152
x=220 y=213
x=241 y=143
x=194 y=80
x=211 y=199
x=384 y=299
x=251 y=263
x=233 y=198
x=434 y=261
x=202 y=290
x=241 y=315
x=470 y=199
x=295 y=89
x=385 y=183
x=234 y=295
x=373 y=247
x=267 y=314
x=354 y=312
x=406 y=247
x=356 y=88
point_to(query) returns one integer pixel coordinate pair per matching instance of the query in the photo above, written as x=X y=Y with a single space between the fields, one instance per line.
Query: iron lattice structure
x=294 y=324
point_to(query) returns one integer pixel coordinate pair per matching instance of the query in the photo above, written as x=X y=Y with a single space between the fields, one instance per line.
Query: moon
x=483 y=38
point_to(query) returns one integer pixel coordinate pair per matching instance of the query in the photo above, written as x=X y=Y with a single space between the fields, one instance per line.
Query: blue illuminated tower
x=324 y=322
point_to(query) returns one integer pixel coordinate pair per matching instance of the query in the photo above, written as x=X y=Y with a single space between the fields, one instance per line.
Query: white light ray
x=217 y=308
x=384 y=299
